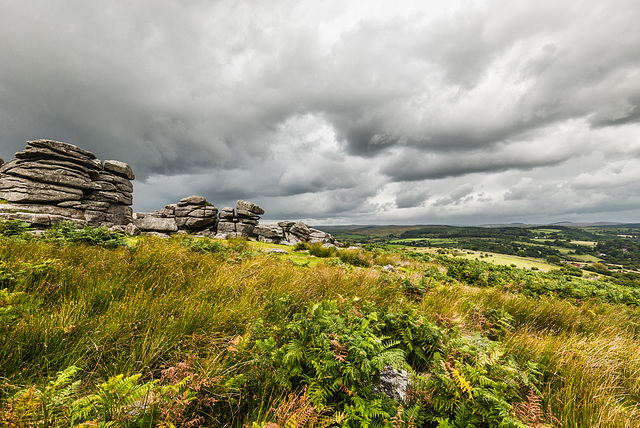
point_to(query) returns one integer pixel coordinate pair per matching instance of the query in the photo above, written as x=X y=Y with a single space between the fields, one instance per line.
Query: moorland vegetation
x=101 y=330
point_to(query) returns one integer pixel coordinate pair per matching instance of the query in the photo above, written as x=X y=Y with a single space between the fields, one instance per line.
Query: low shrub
x=69 y=233
x=13 y=227
x=318 y=250
x=354 y=257
x=204 y=245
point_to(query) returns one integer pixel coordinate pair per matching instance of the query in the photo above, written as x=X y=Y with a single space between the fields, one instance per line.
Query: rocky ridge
x=196 y=215
x=50 y=182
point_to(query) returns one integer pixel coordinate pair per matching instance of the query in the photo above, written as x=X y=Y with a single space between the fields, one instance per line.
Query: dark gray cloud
x=361 y=112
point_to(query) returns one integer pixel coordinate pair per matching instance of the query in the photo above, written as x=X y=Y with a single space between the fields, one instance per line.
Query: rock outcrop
x=51 y=181
x=193 y=214
x=239 y=222
x=291 y=233
x=196 y=215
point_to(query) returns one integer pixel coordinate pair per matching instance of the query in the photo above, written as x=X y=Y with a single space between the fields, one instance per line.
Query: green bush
x=301 y=246
x=318 y=250
x=204 y=245
x=354 y=257
x=13 y=227
x=69 y=233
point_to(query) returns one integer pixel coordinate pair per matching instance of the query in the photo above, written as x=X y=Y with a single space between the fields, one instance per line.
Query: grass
x=497 y=258
x=226 y=316
x=587 y=258
x=585 y=243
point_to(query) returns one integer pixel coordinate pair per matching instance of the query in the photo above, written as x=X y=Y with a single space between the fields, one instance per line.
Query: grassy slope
x=159 y=304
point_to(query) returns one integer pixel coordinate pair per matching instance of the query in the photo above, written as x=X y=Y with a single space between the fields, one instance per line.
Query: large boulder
x=53 y=176
x=249 y=206
x=301 y=230
x=394 y=383
x=158 y=224
x=119 y=168
x=270 y=231
x=192 y=200
x=226 y=227
x=227 y=213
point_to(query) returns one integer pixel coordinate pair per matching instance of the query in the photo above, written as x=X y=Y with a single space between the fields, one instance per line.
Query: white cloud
x=362 y=111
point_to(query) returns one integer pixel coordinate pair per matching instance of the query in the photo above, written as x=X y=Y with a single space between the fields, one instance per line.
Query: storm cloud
x=459 y=112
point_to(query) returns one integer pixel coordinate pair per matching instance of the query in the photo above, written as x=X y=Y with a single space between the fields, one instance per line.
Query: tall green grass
x=183 y=308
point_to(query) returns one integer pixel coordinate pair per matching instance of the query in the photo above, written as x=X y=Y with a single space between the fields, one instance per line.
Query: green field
x=496 y=258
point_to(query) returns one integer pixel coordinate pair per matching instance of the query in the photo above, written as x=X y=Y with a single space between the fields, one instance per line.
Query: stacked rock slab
x=51 y=181
x=291 y=233
x=240 y=222
x=193 y=214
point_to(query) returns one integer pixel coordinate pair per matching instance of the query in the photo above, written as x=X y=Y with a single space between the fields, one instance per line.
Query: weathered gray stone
x=96 y=217
x=119 y=168
x=277 y=251
x=195 y=222
x=45 y=153
x=65 y=148
x=105 y=186
x=18 y=189
x=185 y=210
x=165 y=212
x=60 y=177
x=70 y=204
x=39 y=220
x=227 y=213
x=96 y=205
x=156 y=223
x=1 y=162
x=55 y=164
x=247 y=214
x=120 y=214
x=292 y=240
x=318 y=236
x=286 y=224
x=204 y=212
x=131 y=229
x=156 y=234
x=118 y=228
x=192 y=200
x=7 y=165
x=301 y=230
x=116 y=197
x=394 y=383
x=42 y=209
x=268 y=231
x=249 y=206
x=268 y=240
x=226 y=227
x=121 y=183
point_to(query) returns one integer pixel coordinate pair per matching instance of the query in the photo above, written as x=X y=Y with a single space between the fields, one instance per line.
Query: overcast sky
x=340 y=112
